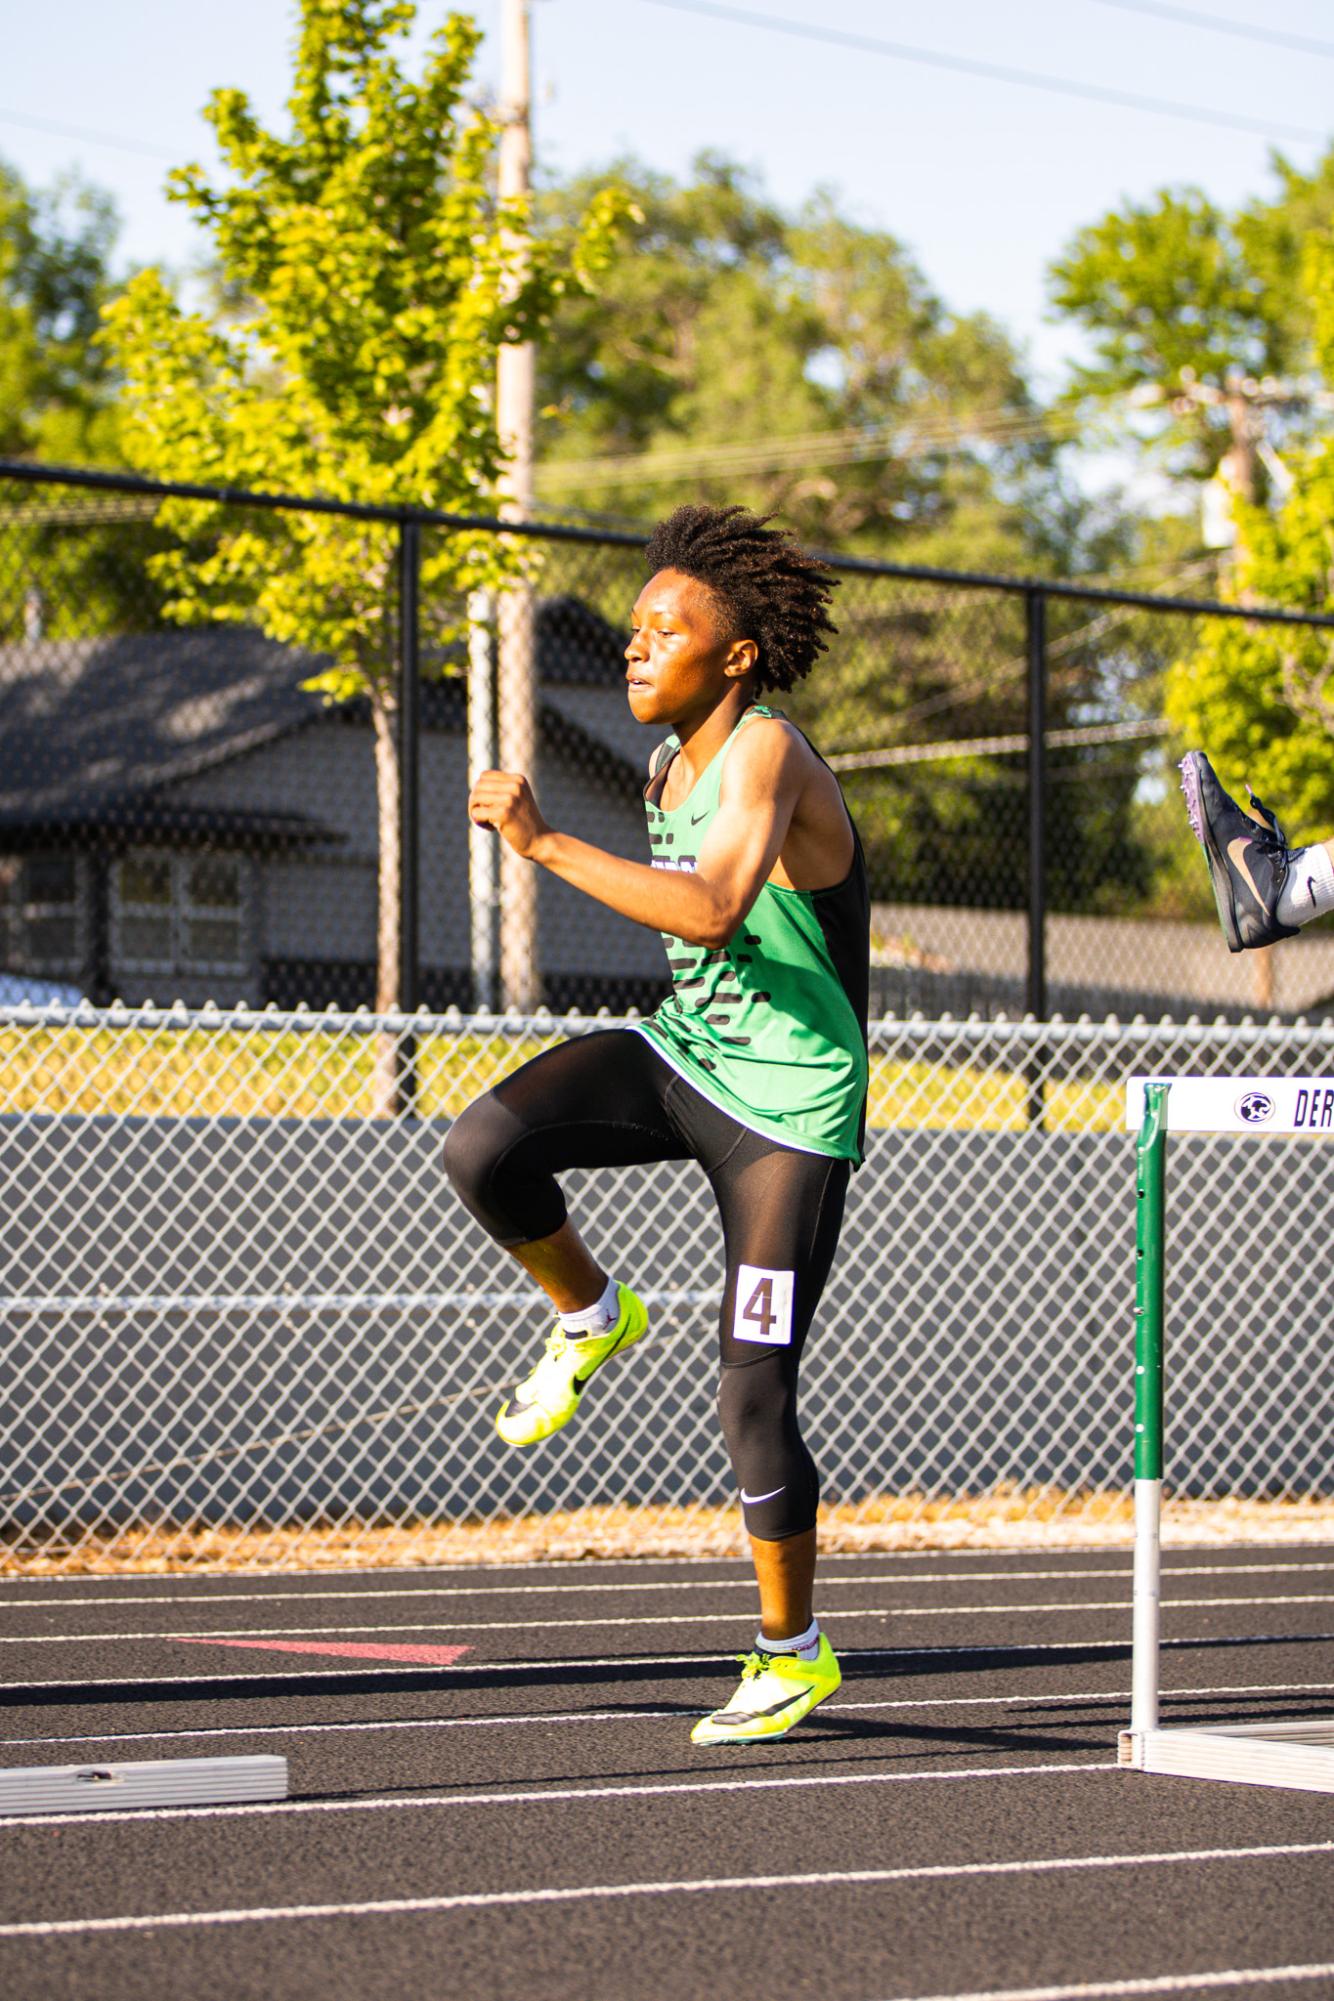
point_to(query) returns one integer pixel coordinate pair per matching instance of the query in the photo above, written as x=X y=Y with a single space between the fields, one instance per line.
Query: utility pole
x=483 y=755
x=516 y=651
x=1244 y=399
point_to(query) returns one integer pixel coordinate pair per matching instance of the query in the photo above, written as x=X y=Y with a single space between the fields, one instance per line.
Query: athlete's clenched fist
x=504 y=800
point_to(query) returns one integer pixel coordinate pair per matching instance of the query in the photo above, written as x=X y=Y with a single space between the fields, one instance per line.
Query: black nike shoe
x=1248 y=859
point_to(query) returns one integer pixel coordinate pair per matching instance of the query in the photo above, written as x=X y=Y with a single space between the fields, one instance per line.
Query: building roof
x=94 y=733
x=85 y=723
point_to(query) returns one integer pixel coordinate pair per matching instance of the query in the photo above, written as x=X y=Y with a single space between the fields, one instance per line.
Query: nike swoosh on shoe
x=732 y=1719
x=1236 y=854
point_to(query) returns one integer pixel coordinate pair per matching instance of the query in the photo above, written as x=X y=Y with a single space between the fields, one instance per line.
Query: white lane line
x=471 y=1626
x=1101 y=1695
x=85 y=1686
x=562 y=1795
x=388 y=1723
x=1044 y=1865
x=1154 y=1983
x=1118 y=1559
x=746 y=1583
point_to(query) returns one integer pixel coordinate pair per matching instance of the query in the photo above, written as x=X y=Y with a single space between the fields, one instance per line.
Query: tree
x=55 y=387
x=800 y=364
x=1261 y=698
x=374 y=274
x=1200 y=339
x=1206 y=350
x=58 y=403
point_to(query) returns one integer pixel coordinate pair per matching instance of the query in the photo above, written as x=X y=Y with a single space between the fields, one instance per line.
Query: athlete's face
x=681 y=659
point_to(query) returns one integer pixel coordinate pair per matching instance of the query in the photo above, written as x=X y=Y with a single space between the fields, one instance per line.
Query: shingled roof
x=94 y=730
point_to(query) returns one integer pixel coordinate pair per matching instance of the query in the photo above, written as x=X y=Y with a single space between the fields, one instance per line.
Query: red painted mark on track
x=346 y=1649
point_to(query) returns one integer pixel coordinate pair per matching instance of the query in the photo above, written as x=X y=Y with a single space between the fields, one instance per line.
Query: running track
x=528 y=1817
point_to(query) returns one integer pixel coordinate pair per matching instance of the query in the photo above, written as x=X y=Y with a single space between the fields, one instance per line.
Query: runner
x=755 y=1066
x=1264 y=889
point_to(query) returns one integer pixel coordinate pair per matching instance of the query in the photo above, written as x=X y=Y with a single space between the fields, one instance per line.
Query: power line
x=991 y=746
x=815 y=450
x=85 y=132
x=1307 y=45
x=994 y=72
x=964 y=692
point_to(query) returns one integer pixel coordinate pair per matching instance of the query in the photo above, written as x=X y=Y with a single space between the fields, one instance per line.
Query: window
x=143 y=913
x=39 y=913
x=212 y=909
x=180 y=913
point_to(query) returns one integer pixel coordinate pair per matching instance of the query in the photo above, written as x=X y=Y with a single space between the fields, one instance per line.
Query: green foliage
x=375 y=275
x=55 y=391
x=774 y=356
x=64 y=556
x=1260 y=699
x=1174 y=293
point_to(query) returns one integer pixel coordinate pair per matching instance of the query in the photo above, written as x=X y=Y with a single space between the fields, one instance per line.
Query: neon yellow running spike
x=775 y=1691
x=549 y=1397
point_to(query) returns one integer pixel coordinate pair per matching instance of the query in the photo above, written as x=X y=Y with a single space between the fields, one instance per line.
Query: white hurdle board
x=1259 y=1105
x=1298 y=1755
x=145 y=1782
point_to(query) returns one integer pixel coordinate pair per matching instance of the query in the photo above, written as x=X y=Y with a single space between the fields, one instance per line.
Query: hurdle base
x=1297 y=1755
x=147 y=1782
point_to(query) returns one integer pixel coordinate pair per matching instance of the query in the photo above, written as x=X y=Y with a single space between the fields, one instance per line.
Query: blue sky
x=983 y=180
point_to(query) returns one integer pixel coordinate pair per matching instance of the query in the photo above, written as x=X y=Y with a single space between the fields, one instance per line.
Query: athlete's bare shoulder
x=818 y=847
x=771 y=750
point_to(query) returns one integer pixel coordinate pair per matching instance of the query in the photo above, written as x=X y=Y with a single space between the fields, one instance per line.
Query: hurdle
x=140 y=1782
x=1299 y=1755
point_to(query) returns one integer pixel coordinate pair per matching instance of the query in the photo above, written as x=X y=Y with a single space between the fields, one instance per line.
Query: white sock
x=598 y=1317
x=1309 y=889
x=806 y=1645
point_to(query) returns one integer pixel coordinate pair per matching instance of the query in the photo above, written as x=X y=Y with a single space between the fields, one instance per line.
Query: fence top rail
x=1026 y=1030
x=549 y=531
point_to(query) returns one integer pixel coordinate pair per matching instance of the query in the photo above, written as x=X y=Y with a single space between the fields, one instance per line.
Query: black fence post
x=409 y=799
x=1035 y=616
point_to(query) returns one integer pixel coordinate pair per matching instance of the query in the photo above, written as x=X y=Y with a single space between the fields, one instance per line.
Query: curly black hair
x=767 y=588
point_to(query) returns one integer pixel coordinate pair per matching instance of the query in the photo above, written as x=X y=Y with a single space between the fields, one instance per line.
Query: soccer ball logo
x=1255 y=1107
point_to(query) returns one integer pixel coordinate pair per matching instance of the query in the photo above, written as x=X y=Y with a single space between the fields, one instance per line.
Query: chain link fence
x=196 y=803
x=244 y=1319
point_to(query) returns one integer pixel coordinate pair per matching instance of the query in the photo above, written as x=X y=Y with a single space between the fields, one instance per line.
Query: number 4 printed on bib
x=763 y=1306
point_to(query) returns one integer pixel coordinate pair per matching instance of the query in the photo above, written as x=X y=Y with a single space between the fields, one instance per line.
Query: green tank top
x=772 y=1026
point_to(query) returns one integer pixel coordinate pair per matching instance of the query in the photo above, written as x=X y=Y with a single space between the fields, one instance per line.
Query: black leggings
x=609 y=1100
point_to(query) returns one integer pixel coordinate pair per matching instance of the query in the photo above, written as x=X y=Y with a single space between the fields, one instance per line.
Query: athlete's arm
x=767 y=768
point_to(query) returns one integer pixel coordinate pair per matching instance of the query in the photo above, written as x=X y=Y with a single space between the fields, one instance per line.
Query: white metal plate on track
x=1299 y=1755
x=1257 y=1105
x=145 y=1782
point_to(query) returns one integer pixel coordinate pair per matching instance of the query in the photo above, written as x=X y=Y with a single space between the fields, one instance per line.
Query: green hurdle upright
x=1265 y=1754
